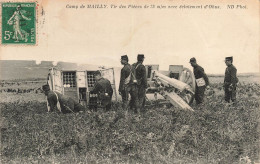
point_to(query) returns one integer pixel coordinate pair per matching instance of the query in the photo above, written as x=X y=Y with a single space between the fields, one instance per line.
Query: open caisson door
x=110 y=75
x=54 y=80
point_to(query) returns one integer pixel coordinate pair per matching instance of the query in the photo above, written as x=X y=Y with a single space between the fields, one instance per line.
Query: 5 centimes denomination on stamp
x=18 y=23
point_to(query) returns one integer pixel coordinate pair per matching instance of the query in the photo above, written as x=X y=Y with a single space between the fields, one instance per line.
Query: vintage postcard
x=129 y=81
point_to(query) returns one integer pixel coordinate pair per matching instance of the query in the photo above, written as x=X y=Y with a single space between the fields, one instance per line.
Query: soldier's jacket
x=103 y=86
x=199 y=73
x=231 y=75
x=140 y=74
x=66 y=103
x=125 y=72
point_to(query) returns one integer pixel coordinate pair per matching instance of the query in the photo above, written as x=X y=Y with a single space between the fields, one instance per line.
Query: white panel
x=50 y=80
x=108 y=74
x=81 y=79
x=57 y=80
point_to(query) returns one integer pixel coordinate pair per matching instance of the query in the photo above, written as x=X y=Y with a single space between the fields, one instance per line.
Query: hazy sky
x=165 y=36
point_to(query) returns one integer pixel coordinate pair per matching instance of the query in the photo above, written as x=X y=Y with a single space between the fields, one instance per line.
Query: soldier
x=126 y=85
x=61 y=102
x=141 y=81
x=104 y=90
x=230 y=80
x=202 y=81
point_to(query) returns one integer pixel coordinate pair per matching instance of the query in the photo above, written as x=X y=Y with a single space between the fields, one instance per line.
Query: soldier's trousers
x=106 y=103
x=199 y=94
x=141 y=96
x=132 y=90
x=230 y=95
x=71 y=106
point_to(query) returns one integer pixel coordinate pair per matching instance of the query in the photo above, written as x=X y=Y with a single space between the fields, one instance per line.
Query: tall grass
x=214 y=133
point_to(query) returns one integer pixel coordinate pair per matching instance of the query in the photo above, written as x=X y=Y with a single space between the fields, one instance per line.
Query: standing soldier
x=230 y=80
x=126 y=85
x=141 y=81
x=60 y=102
x=202 y=81
x=104 y=90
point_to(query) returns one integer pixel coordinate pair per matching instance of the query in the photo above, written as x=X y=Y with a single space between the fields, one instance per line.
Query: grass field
x=215 y=133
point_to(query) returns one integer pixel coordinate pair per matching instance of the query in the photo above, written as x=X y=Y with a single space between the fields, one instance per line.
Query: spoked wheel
x=188 y=77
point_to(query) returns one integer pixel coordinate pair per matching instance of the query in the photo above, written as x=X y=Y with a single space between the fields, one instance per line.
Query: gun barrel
x=173 y=82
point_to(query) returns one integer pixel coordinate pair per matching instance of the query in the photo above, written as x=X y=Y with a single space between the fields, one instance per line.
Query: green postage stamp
x=18 y=23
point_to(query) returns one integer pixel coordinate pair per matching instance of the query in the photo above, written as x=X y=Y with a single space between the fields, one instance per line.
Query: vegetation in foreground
x=214 y=133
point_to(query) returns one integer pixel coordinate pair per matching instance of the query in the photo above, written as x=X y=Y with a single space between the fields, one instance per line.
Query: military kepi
x=46 y=87
x=124 y=57
x=229 y=58
x=192 y=60
x=96 y=73
x=140 y=56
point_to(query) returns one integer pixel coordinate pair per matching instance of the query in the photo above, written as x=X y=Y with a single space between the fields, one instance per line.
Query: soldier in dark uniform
x=202 y=81
x=104 y=90
x=230 y=80
x=60 y=102
x=126 y=85
x=141 y=81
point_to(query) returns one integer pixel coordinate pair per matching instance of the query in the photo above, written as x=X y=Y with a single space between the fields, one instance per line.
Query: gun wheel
x=187 y=77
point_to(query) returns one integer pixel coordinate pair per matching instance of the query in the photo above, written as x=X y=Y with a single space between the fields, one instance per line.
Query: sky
x=165 y=36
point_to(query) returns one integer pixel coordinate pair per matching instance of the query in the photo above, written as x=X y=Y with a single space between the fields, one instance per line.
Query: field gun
x=177 y=85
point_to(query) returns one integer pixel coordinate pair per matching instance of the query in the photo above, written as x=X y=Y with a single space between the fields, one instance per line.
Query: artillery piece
x=177 y=85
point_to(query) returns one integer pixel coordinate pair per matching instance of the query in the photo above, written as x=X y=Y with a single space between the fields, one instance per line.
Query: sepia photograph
x=130 y=81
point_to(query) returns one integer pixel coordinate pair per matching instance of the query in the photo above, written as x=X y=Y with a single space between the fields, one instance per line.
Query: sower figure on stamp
x=126 y=85
x=104 y=90
x=15 y=20
x=202 y=81
x=60 y=102
x=141 y=82
x=230 y=80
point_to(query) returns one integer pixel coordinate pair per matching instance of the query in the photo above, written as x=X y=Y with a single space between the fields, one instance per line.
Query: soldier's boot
x=138 y=111
x=234 y=102
x=108 y=107
x=126 y=107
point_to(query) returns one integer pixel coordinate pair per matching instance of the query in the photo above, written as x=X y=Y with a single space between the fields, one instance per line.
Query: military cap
x=124 y=57
x=140 y=56
x=97 y=73
x=230 y=58
x=46 y=87
x=193 y=59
